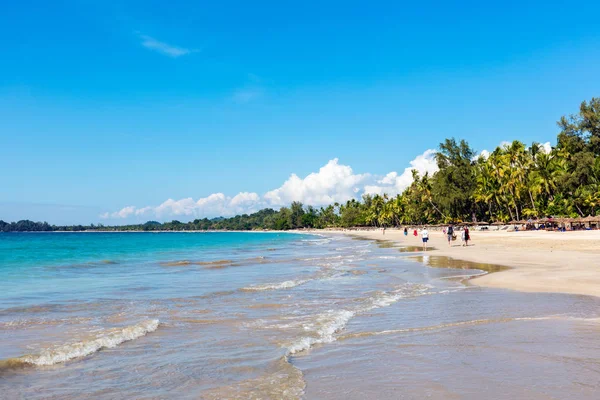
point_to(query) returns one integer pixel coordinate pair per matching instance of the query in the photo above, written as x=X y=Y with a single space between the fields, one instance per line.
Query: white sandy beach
x=539 y=261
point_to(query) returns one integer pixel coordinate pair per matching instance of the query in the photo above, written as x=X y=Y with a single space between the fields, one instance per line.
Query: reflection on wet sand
x=387 y=244
x=448 y=262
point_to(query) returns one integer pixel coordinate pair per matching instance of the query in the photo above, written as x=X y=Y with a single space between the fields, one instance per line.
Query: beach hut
x=571 y=223
x=562 y=222
x=545 y=222
x=498 y=224
x=591 y=222
x=481 y=225
x=528 y=224
x=577 y=223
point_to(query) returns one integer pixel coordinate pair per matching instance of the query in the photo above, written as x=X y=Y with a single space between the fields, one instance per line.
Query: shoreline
x=537 y=261
x=542 y=262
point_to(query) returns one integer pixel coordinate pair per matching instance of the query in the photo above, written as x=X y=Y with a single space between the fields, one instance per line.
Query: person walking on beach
x=405 y=232
x=425 y=236
x=450 y=234
x=467 y=236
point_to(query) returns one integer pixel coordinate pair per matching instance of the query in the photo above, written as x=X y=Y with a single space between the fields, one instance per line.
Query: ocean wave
x=70 y=307
x=443 y=326
x=294 y=282
x=329 y=324
x=217 y=264
x=453 y=290
x=37 y=309
x=84 y=348
x=333 y=321
x=385 y=299
x=352 y=248
x=183 y=263
x=214 y=295
x=316 y=242
x=27 y=323
x=319 y=258
x=276 y=286
x=84 y=265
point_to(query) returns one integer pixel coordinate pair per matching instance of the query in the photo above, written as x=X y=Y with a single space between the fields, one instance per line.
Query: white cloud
x=123 y=213
x=484 y=153
x=176 y=207
x=393 y=183
x=216 y=204
x=546 y=147
x=334 y=182
x=142 y=211
x=163 y=48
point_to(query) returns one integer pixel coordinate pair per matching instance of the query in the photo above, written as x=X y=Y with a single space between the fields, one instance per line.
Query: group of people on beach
x=465 y=235
x=449 y=231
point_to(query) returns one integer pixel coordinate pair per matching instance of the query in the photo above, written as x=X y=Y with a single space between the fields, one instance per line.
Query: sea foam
x=276 y=286
x=332 y=322
x=329 y=324
x=84 y=348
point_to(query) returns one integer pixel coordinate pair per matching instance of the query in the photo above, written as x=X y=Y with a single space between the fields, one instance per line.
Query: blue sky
x=129 y=104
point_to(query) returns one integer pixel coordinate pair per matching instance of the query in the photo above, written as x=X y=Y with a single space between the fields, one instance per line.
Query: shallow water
x=245 y=315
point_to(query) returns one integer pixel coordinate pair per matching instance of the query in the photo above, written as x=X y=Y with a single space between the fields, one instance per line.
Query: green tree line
x=514 y=182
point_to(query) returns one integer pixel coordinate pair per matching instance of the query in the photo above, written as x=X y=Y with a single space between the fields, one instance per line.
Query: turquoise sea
x=276 y=315
x=44 y=268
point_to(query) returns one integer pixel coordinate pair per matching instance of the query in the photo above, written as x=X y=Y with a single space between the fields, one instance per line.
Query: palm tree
x=424 y=186
x=486 y=190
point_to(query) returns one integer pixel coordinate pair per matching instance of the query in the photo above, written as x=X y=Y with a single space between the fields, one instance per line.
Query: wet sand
x=551 y=262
